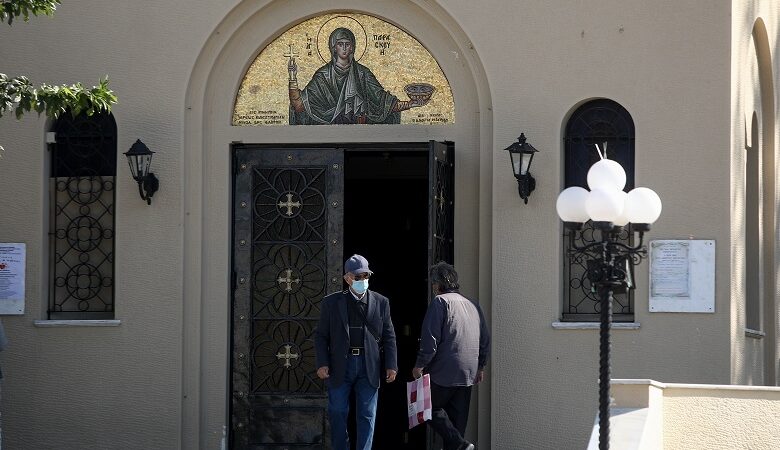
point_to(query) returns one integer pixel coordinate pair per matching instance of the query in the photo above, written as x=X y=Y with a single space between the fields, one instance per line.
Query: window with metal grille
x=595 y=122
x=81 y=225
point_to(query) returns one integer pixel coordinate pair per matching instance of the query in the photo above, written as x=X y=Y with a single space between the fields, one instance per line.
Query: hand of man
x=322 y=372
x=417 y=372
x=480 y=376
x=391 y=375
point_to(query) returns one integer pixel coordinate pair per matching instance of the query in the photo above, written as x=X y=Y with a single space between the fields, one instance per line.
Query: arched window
x=608 y=124
x=81 y=244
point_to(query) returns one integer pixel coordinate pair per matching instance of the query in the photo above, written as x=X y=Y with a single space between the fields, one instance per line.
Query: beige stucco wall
x=695 y=416
x=755 y=66
x=159 y=380
x=77 y=388
x=667 y=63
x=718 y=417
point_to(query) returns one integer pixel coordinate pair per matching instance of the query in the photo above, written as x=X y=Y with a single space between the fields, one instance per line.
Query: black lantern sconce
x=521 y=153
x=140 y=158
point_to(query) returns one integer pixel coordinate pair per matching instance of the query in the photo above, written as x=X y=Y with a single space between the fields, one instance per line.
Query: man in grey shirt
x=454 y=347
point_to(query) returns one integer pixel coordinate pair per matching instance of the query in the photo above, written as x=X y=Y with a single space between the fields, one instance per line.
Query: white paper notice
x=682 y=276
x=670 y=270
x=12 y=272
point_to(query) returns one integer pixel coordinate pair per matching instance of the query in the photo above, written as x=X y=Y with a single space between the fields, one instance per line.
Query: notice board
x=682 y=275
x=12 y=274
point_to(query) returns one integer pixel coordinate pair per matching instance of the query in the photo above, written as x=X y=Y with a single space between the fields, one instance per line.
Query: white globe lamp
x=643 y=206
x=604 y=205
x=622 y=219
x=571 y=205
x=606 y=174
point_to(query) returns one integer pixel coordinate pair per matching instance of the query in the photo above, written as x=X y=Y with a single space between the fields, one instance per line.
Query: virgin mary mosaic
x=340 y=69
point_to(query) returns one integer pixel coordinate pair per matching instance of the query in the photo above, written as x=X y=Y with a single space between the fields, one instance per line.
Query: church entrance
x=298 y=212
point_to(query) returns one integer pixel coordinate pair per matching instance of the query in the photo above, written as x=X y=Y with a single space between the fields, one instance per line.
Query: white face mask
x=360 y=286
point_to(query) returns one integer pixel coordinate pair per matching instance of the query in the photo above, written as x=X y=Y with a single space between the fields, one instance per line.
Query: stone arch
x=766 y=137
x=208 y=133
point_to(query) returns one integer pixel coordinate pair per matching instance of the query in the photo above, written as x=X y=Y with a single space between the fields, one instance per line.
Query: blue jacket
x=332 y=337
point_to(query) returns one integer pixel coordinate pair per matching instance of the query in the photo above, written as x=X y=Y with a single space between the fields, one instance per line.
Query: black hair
x=445 y=276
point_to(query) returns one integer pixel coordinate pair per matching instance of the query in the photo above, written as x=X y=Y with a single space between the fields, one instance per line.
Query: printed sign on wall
x=12 y=271
x=682 y=275
x=344 y=69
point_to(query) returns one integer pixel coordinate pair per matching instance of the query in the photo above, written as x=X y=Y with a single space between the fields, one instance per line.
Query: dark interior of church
x=386 y=220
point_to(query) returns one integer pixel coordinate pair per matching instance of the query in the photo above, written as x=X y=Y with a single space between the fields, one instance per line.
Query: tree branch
x=19 y=95
x=11 y=9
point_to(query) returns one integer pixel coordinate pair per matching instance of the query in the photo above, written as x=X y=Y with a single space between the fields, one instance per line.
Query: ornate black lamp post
x=140 y=159
x=522 y=154
x=609 y=260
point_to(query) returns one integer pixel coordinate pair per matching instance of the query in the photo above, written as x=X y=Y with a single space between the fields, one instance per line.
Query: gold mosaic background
x=395 y=58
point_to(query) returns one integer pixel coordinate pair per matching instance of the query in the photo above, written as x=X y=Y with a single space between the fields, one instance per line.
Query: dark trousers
x=450 y=413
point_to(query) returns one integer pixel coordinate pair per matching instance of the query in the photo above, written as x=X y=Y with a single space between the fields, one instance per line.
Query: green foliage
x=19 y=95
x=11 y=9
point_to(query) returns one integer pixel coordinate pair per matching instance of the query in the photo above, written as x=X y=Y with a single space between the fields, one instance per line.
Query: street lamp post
x=609 y=260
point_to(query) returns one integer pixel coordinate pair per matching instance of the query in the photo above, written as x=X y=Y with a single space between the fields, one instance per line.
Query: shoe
x=466 y=446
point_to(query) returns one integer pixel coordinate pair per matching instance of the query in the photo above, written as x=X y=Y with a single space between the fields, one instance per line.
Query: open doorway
x=297 y=213
x=386 y=219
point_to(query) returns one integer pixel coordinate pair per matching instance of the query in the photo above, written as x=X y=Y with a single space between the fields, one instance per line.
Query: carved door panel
x=287 y=254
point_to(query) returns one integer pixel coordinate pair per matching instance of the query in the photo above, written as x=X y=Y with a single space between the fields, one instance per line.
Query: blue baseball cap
x=357 y=264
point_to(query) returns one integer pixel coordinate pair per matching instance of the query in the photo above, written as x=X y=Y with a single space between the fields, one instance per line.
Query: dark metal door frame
x=273 y=221
x=441 y=226
x=287 y=219
x=442 y=202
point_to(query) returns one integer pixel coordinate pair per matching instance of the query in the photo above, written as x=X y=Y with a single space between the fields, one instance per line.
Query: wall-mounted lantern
x=521 y=154
x=140 y=158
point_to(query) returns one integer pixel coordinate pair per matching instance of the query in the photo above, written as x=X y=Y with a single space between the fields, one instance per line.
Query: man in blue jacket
x=354 y=325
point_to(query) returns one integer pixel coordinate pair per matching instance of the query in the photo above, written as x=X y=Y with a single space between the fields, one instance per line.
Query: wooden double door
x=288 y=216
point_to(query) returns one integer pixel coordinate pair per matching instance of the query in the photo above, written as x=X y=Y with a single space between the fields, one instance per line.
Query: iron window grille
x=595 y=122
x=81 y=225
